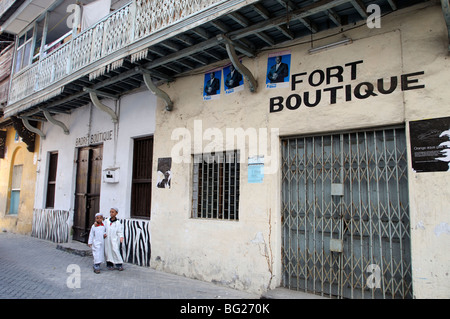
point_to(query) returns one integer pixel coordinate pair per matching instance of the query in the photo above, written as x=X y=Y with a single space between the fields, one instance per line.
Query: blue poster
x=278 y=69
x=211 y=85
x=233 y=80
x=255 y=169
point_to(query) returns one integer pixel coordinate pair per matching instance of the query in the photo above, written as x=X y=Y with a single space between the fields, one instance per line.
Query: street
x=32 y=268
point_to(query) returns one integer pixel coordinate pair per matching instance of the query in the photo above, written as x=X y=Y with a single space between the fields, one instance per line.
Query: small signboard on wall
x=256 y=169
x=430 y=145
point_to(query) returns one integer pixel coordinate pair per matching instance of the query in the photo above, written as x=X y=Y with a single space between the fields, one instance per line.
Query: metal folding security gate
x=345 y=215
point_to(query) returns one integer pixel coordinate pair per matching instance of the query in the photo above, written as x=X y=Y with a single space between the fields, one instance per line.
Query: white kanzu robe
x=98 y=243
x=114 y=231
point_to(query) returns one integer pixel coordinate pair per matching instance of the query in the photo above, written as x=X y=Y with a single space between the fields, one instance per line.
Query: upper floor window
x=24 y=47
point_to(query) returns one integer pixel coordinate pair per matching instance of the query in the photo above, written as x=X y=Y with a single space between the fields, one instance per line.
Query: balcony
x=166 y=39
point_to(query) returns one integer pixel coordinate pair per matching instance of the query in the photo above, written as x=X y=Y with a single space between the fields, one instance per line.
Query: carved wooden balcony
x=166 y=39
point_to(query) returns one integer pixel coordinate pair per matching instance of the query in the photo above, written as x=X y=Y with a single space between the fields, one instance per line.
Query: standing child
x=97 y=241
x=114 y=232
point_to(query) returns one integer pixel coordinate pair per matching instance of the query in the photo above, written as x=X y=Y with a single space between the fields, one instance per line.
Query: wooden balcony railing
x=131 y=23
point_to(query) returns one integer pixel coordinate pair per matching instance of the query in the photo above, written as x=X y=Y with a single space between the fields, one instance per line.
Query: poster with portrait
x=233 y=80
x=211 y=84
x=430 y=145
x=278 y=69
x=164 y=173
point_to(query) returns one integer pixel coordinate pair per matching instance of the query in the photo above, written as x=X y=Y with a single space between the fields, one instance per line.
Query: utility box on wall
x=111 y=175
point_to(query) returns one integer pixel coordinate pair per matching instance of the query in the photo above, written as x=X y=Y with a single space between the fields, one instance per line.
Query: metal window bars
x=345 y=215
x=216 y=186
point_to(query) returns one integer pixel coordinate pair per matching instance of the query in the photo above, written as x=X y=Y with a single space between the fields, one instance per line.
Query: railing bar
x=400 y=222
x=350 y=179
x=305 y=156
x=389 y=214
x=322 y=251
x=314 y=218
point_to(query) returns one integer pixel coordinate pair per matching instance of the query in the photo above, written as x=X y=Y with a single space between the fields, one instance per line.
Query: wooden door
x=87 y=190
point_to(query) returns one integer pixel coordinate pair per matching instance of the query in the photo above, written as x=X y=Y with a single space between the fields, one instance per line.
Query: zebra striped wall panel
x=136 y=248
x=51 y=225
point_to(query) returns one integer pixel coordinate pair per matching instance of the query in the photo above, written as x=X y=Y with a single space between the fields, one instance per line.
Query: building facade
x=341 y=202
x=315 y=161
x=18 y=157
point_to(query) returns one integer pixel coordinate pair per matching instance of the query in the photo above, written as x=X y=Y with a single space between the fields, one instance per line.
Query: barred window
x=216 y=186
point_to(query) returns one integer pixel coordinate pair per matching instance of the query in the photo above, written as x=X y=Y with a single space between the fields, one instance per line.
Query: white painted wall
x=136 y=118
x=232 y=253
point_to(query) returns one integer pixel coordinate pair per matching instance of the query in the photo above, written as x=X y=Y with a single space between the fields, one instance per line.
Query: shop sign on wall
x=430 y=145
x=95 y=138
x=256 y=169
x=304 y=84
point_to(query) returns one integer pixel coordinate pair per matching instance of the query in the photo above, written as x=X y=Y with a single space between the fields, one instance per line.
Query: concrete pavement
x=34 y=268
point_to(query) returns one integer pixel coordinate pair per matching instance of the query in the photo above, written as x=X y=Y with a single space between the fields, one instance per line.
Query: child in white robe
x=114 y=232
x=97 y=241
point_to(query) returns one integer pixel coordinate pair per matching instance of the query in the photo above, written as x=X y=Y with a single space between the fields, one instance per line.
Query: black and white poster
x=430 y=145
x=164 y=172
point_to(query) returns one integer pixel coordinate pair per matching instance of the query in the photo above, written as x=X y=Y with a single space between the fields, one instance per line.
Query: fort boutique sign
x=95 y=138
x=349 y=71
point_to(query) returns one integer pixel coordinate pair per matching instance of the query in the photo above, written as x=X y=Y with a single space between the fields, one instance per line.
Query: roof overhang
x=29 y=11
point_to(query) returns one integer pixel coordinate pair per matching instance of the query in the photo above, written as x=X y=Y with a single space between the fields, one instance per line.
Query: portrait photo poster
x=233 y=80
x=278 y=69
x=164 y=172
x=212 y=84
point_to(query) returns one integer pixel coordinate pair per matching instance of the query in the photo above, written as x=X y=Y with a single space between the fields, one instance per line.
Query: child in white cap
x=97 y=241
x=114 y=231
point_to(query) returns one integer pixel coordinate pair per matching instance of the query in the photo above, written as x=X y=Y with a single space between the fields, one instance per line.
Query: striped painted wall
x=136 y=248
x=51 y=224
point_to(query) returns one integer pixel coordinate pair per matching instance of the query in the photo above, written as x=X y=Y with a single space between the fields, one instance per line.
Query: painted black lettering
x=348 y=92
x=338 y=74
x=352 y=66
x=297 y=99
x=406 y=82
x=333 y=93
x=318 y=98
x=321 y=77
x=276 y=102
x=294 y=80
x=368 y=92
x=393 y=86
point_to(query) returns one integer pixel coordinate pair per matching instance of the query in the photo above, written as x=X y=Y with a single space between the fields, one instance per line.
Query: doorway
x=87 y=190
x=345 y=215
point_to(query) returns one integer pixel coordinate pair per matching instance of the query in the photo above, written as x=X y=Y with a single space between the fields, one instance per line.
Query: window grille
x=15 y=189
x=51 y=180
x=345 y=215
x=141 y=188
x=216 y=186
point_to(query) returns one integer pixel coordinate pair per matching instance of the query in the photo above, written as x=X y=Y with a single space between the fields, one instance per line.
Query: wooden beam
x=304 y=12
x=237 y=63
x=157 y=91
x=52 y=120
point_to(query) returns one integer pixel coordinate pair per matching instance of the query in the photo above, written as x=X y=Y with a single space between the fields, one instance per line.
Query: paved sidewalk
x=34 y=268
